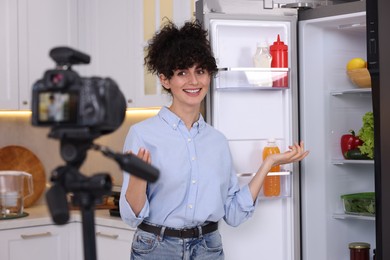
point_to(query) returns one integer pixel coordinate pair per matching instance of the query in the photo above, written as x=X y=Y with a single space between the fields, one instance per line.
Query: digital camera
x=64 y=100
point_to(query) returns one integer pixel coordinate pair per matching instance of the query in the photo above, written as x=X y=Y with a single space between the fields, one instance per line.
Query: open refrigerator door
x=248 y=114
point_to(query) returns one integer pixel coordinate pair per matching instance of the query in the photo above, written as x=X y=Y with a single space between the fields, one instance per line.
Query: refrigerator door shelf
x=252 y=78
x=269 y=174
x=285 y=183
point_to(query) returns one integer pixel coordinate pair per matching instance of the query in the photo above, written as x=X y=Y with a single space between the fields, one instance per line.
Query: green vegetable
x=359 y=203
x=366 y=134
x=355 y=154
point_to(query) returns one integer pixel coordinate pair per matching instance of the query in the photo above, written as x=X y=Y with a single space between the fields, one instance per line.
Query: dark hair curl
x=174 y=48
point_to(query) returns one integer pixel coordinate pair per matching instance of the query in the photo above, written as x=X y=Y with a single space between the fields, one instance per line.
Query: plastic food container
x=359 y=203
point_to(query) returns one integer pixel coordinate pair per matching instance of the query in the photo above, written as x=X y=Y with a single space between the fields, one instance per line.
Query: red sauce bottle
x=279 y=53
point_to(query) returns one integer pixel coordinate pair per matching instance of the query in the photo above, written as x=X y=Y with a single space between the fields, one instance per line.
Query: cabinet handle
x=107 y=235
x=45 y=234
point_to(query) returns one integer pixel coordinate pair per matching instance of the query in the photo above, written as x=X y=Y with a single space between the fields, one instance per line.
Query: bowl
x=359 y=203
x=360 y=77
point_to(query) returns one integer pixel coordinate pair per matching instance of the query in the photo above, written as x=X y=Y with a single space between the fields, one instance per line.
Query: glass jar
x=359 y=251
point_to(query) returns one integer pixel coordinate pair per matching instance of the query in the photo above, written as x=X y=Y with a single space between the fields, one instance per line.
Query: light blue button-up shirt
x=197 y=180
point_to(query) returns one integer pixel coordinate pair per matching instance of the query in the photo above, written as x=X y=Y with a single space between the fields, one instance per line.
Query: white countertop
x=39 y=216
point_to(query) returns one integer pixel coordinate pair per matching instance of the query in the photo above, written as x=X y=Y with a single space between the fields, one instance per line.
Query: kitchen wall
x=16 y=129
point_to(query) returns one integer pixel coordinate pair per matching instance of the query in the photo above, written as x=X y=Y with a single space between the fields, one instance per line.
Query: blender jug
x=12 y=192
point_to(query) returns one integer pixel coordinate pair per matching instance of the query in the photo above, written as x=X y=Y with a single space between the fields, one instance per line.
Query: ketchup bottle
x=279 y=53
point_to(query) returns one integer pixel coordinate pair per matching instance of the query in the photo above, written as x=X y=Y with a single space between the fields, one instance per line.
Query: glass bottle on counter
x=271 y=186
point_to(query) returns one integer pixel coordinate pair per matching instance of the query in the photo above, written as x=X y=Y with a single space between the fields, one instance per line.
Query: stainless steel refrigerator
x=319 y=105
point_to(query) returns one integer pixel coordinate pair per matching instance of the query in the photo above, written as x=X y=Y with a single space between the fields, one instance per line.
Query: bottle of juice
x=271 y=186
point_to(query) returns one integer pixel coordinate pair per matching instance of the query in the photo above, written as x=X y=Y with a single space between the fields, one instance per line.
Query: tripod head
x=87 y=191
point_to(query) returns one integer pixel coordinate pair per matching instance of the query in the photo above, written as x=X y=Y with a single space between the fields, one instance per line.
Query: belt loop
x=162 y=231
x=200 y=229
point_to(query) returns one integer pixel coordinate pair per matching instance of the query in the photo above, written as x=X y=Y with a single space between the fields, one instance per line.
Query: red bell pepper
x=349 y=142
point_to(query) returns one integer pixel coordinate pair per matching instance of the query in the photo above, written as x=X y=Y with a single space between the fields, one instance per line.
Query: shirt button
x=193 y=181
x=189 y=140
x=193 y=158
x=190 y=206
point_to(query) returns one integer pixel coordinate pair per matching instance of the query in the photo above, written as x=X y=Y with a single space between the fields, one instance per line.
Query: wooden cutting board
x=18 y=158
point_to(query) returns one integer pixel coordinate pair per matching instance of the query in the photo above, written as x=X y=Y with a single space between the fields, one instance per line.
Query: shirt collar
x=173 y=120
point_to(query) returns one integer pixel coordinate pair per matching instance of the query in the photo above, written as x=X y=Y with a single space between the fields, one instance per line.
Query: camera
x=64 y=100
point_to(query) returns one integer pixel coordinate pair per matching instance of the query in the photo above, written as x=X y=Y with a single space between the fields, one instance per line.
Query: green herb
x=366 y=134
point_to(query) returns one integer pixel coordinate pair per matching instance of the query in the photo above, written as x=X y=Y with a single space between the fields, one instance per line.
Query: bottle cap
x=271 y=140
x=359 y=245
x=278 y=45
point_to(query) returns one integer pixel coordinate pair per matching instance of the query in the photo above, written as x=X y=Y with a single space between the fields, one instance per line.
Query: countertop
x=39 y=216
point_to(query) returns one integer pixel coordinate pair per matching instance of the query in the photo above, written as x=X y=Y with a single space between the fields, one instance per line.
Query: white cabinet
x=42 y=242
x=29 y=30
x=113 y=33
x=8 y=55
x=112 y=242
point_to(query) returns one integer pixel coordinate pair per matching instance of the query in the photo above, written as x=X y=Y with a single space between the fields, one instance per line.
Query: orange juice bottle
x=271 y=186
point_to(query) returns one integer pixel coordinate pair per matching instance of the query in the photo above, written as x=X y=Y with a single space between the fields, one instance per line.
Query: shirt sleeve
x=239 y=205
x=132 y=143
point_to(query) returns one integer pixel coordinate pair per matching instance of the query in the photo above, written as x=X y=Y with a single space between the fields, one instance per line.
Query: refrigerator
x=318 y=105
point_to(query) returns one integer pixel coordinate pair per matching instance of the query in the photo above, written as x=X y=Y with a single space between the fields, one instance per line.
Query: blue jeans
x=148 y=246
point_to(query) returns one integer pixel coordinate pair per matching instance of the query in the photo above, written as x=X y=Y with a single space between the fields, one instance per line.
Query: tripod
x=87 y=191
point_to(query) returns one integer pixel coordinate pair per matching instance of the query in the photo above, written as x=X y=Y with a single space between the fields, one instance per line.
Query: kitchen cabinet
x=35 y=236
x=113 y=33
x=8 y=53
x=110 y=242
x=29 y=29
x=110 y=239
x=48 y=242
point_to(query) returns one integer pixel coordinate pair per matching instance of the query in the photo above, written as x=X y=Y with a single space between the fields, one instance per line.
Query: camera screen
x=57 y=107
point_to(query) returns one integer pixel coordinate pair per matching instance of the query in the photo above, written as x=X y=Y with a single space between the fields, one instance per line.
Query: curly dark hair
x=174 y=48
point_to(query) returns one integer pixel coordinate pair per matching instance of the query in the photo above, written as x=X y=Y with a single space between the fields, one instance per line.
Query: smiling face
x=188 y=87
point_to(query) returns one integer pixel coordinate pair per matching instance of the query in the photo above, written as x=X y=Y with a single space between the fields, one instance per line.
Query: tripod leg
x=88 y=222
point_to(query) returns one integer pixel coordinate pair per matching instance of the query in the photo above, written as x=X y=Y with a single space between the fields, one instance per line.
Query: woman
x=177 y=216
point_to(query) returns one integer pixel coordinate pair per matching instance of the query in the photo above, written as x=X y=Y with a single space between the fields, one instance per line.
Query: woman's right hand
x=136 y=189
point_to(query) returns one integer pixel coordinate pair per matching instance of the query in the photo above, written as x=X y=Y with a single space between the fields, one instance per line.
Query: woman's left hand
x=295 y=154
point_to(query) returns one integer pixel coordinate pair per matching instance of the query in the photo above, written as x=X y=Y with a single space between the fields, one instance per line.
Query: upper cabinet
x=29 y=29
x=114 y=33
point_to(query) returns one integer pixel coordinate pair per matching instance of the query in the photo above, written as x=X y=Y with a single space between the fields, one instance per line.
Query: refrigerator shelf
x=348 y=216
x=364 y=91
x=269 y=174
x=252 y=78
x=343 y=161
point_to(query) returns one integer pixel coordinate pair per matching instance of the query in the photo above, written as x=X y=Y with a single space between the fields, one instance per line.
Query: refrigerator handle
x=268 y=4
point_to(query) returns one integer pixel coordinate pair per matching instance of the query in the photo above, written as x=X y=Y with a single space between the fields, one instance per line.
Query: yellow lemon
x=356 y=63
